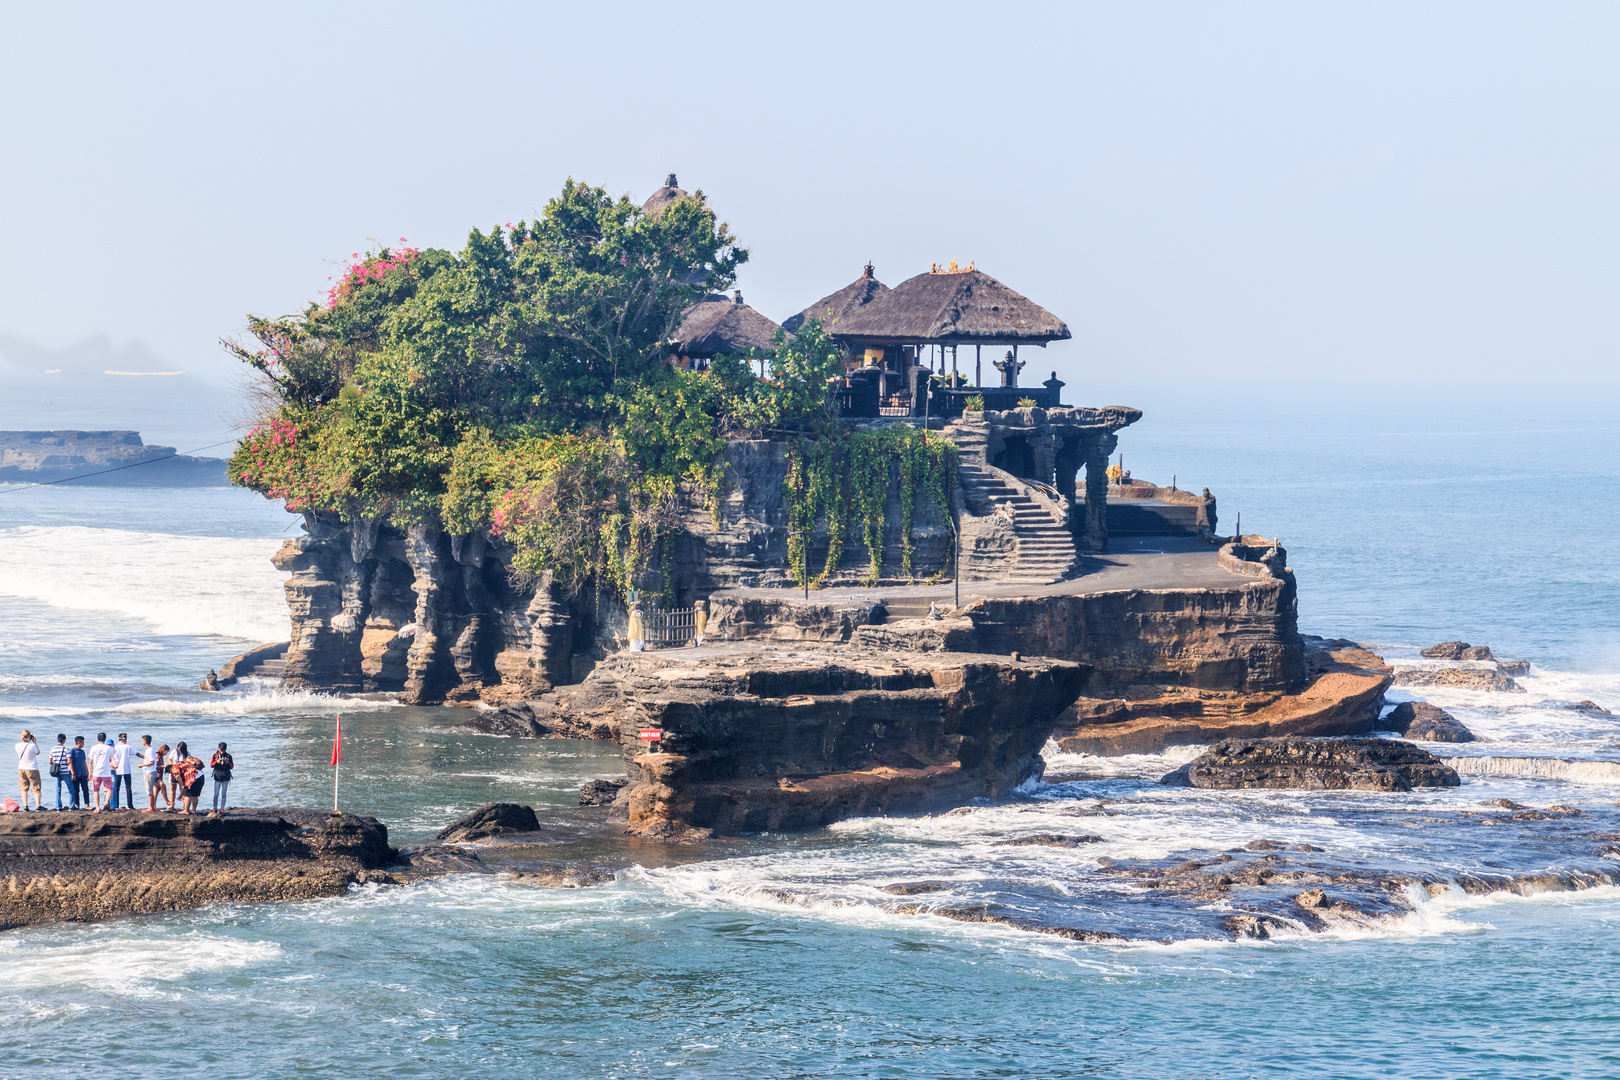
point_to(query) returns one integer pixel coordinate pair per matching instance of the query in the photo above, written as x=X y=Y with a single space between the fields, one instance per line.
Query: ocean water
x=797 y=956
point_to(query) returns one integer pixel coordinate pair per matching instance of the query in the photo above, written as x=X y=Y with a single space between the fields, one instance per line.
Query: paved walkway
x=1149 y=562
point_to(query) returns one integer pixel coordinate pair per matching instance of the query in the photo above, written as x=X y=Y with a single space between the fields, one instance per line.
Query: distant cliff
x=33 y=457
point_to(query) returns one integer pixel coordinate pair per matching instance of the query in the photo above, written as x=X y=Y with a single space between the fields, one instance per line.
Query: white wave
x=1539 y=768
x=179 y=584
x=253 y=703
x=134 y=961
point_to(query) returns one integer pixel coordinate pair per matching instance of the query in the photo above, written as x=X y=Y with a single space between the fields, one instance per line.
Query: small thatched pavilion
x=659 y=200
x=833 y=310
x=910 y=330
x=719 y=324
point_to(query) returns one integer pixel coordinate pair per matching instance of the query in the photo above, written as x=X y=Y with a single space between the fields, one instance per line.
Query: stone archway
x=1016 y=456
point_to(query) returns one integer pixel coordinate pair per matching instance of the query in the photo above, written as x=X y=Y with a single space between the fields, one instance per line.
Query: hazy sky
x=1250 y=191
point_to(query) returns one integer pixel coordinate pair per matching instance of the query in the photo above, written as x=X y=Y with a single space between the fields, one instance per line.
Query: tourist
x=101 y=775
x=28 y=770
x=150 y=760
x=222 y=764
x=165 y=784
x=79 y=763
x=700 y=620
x=188 y=776
x=62 y=770
x=123 y=769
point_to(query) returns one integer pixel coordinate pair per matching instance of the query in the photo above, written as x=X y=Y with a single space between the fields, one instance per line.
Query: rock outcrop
x=122 y=862
x=493 y=819
x=1460 y=678
x=1428 y=723
x=749 y=739
x=1344 y=696
x=36 y=457
x=1315 y=765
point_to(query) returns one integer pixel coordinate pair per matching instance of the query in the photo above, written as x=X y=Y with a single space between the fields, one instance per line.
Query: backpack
x=222 y=768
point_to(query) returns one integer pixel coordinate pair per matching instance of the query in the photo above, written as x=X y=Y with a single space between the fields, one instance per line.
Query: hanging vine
x=842 y=479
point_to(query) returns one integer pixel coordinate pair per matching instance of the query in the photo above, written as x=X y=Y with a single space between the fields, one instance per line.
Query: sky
x=1253 y=195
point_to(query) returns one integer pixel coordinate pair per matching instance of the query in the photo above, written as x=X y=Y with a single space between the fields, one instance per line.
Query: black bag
x=55 y=767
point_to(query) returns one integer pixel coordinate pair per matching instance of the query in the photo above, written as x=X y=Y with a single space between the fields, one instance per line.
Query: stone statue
x=211 y=682
x=1009 y=369
x=700 y=620
x=637 y=632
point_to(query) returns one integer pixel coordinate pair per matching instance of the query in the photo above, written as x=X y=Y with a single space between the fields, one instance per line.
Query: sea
x=1411 y=515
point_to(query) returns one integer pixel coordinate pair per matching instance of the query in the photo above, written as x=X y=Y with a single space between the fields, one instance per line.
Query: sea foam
x=179 y=584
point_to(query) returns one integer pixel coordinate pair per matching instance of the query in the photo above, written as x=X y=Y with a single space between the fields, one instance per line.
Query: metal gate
x=669 y=627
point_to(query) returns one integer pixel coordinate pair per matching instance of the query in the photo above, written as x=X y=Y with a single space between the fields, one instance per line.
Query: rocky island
x=856 y=578
x=101 y=458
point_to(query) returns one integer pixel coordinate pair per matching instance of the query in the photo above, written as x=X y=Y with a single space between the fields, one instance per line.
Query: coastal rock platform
x=81 y=866
x=1344 y=697
x=1315 y=765
x=751 y=738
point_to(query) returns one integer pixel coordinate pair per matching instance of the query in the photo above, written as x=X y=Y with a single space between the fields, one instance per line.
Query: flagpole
x=337 y=762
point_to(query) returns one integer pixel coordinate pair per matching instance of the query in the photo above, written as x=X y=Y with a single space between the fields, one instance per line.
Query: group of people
x=97 y=774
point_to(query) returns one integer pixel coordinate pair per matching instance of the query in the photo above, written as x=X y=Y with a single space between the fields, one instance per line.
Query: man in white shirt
x=149 y=772
x=28 y=771
x=123 y=768
x=101 y=774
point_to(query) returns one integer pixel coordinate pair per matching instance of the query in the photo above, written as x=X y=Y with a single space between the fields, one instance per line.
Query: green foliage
x=842 y=478
x=517 y=386
x=1026 y=403
x=974 y=403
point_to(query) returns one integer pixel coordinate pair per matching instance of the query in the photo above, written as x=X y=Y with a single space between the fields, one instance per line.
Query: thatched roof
x=832 y=310
x=967 y=306
x=722 y=324
x=659 y=200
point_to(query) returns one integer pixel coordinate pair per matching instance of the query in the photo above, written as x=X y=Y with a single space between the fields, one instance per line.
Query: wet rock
x=1312 y=898
x=915 y=888
x=1513 y=667
x=563 y=876
x=1264 y=845
x=600 y=792
x=1477 y=652
x=1591 y=707
x=1049 y=840
x=1420 y=720
x=513 y=721
x=1446 y=650
x=1507 y=804
x=495 y=819
x=93 y=866
x=1462 y=678
x=1318 y=764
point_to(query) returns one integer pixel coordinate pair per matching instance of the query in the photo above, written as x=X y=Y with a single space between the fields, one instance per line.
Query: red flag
x=337 y=743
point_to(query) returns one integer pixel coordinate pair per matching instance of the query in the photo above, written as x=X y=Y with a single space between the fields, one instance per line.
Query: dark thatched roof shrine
x=952 y=307
x=833 y=310
x=659 y=200
x=722 y=324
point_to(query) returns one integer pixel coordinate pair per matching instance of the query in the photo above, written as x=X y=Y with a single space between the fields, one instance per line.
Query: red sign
x=651 y=734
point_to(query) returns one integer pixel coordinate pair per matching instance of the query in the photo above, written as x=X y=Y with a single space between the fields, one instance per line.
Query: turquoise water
x=782 y=956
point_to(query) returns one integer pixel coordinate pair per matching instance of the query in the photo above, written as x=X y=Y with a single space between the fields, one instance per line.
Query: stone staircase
x=270 y=669
x=1046 y=551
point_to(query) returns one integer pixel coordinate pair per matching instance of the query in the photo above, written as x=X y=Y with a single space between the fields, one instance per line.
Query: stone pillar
x=1045 y=449
x=1097 y=449
x=429 y=668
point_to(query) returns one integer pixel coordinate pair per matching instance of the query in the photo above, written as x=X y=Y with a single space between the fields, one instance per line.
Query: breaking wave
x=178 y=584
x=1539 y=768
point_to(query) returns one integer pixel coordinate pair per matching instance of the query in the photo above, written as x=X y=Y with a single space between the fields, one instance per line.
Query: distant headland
x=101 y=459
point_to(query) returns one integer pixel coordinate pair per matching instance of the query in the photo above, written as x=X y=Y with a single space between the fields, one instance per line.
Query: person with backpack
x=28 y=770
x=222 y=764
x=79 y=766
x=61 y=767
